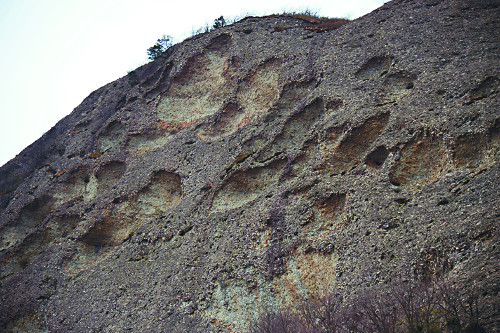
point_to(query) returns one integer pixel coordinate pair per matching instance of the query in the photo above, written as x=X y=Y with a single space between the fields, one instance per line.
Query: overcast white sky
x=54 y=53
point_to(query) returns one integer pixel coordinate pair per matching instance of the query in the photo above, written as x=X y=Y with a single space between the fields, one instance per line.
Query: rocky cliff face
x=260 y=164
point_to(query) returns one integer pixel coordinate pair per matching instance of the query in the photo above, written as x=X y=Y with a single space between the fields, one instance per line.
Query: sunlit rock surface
x=258 y=165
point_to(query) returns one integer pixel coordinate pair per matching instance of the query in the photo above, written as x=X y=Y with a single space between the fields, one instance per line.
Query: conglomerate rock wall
x=260 y=164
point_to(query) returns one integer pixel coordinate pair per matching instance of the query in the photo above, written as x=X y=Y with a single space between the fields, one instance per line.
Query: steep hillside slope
x=260 y=164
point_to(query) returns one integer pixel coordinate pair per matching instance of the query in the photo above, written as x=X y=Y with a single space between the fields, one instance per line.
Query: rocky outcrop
x=260 y=164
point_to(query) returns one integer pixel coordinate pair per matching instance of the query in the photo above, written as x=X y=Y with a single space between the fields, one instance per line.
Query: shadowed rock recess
x=258 y=165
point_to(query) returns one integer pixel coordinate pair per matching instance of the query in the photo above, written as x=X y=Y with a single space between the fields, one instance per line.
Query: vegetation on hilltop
x=314 y=21
x=161 y=46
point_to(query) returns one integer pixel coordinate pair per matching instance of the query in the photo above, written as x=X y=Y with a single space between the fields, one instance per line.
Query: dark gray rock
x=259 y=164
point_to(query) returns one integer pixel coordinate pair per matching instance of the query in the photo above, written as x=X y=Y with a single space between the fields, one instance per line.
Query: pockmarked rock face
x=259 y=165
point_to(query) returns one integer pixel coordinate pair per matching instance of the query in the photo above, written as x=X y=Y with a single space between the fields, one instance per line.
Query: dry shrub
x=407 y=305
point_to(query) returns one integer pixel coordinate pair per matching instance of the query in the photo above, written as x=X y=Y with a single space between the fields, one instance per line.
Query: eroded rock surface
x=258 y=165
